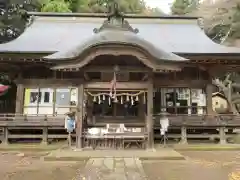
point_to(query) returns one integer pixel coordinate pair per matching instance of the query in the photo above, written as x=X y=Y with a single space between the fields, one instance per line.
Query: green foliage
x=100 y=6
x=14 y=20
x=55 y=6
x=181 y=7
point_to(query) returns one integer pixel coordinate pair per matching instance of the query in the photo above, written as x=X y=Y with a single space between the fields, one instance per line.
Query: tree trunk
x=232 y=106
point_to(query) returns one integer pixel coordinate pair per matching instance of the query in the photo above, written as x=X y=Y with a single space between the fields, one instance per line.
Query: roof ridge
x=101 y=20
x=103 y=15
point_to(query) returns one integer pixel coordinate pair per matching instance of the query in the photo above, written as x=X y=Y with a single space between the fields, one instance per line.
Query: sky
x=164 y=5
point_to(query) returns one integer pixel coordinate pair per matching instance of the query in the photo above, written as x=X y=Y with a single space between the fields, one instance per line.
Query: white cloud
x=164 y=5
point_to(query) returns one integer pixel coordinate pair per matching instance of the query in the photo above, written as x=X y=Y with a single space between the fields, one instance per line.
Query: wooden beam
x=180 y=83
x=49 y=82
x=110 y=69
x=120 y=85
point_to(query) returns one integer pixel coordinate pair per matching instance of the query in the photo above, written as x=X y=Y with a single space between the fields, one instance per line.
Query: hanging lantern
x=104 y=97
x=127 y=98
x=109 y=101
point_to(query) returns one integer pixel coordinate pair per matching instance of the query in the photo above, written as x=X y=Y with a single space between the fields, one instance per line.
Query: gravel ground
x=16 y=167
x=197 y=166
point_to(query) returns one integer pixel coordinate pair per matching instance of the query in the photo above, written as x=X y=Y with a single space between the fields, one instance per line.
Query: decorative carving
x=115 y=21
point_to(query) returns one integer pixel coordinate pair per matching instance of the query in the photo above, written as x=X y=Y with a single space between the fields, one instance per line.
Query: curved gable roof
x=115 y=37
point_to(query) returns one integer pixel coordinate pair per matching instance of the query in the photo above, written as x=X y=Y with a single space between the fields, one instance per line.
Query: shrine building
x=114 y=68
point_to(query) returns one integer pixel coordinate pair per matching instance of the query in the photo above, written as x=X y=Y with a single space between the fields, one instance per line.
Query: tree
x=221 y=19
x=229 y=85
x=55 y=6
x=182 y=7
x=222 y=24
x=100 y=6
x=13 y=19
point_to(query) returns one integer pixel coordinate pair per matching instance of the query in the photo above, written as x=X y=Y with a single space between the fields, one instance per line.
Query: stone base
x=70 y=155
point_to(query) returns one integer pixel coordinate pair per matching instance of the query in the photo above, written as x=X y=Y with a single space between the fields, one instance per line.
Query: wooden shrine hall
x=115 y=69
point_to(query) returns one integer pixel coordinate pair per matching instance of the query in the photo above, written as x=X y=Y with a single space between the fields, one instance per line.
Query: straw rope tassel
x=99 y=99
x=127 y=98
x=137 y=98
x=132 y=100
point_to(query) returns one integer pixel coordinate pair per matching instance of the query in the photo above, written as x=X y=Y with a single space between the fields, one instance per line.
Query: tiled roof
x=53 y=34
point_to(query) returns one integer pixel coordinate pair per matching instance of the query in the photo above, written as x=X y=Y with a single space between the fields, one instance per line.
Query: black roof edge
x=102 y=15
x=233 y=54
x=177 y=53
x=26 y=52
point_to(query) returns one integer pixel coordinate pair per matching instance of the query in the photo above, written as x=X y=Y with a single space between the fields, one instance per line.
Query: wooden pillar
x=209 y=91
x=45 y=132
x=222 y=135
x=183 y=135
x=150 y=144
x=19 y=99
x=141 y=110
x=79 y=143
x=5 y=136
x=19 y=95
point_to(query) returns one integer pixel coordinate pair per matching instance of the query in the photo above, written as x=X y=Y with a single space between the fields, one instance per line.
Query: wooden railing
x=31 y=120
x=226 y=120
x=13 y=126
